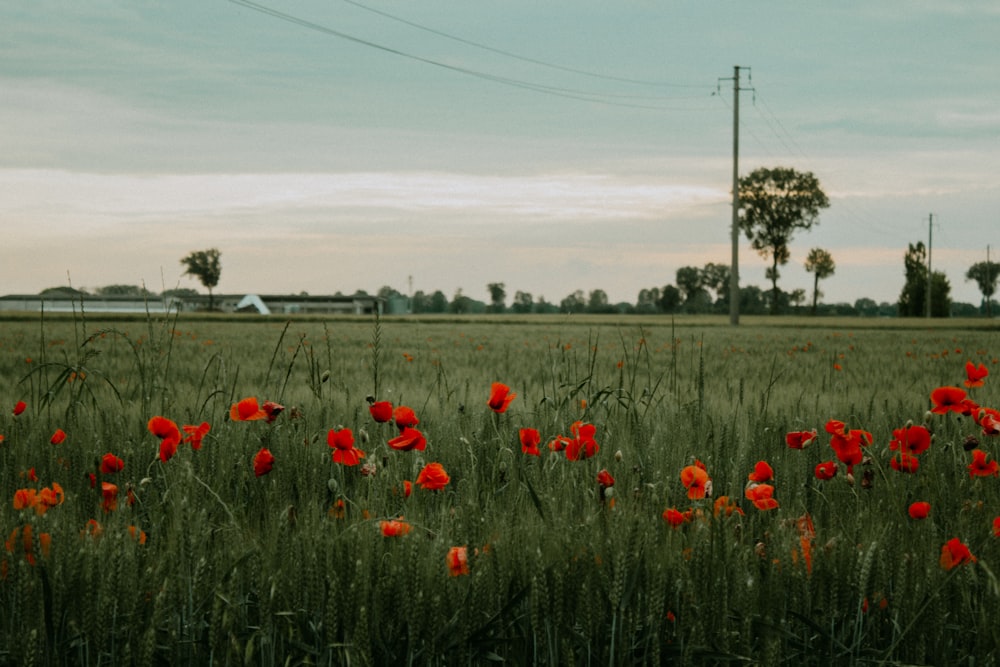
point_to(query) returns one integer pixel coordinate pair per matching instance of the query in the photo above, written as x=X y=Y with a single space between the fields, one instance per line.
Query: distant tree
x=460 y=303
x=716 y=278
x=670 y=299
x=866 y=307
x=574 y=303
x=598 y=302
x=775 y=203
x=386 y=292
x=498 y=297
x=420 y=302
x=523 y=303
x=689 y=280
x=797 y=296
x=439 y=302
x=122 y=290
x=985 y=274
x=913 y=298
x=180 y=292
x=752 y=300
x=648 y=301
x=543 y=307
x=204 y=265
x=65 y=292
x=820 y=263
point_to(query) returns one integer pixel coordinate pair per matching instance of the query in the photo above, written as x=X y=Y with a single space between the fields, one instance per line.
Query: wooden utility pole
x=930 y=279
x=734 y=269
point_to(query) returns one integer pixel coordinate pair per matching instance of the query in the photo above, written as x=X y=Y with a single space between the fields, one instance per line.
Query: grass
x=291 y=567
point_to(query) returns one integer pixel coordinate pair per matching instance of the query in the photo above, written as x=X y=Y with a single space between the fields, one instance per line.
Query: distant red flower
x=109 y=496
x=263 y=462
x=246 y=410
x=344 y=452
x=695 y=479
x=500 y=397
x=272 y=410
x=196 y=434
x=948 y=399
x=407 y=488
x=381 y=411
x=723 y=504
x=137 y=534
x=408 y=439
x=761 y=495
x=975 y=374
x=405 y=417
x=910 y=439
x=674 y=517
x=58 y=437
x=25 y=498
x=433 y=477
x=762 y=472
x=988 y=419
x=394 y=527
x=530 y=439
x=583 y=445
x=847 y=443
x=904 y=462
x=996 y=527
x=458 y=561
x=919 y=510
x=981 y=466
x=558 y=443
x=19 y=407
x=168 y=433
x=955 y=553
x=111 y=464
x=800 y=439
x=605 y=480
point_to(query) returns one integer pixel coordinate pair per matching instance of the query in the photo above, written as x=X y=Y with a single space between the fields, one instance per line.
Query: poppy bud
x=363 y=436
x=325 y=376
x=928 y=417
x=971 y=442
x=618 y=455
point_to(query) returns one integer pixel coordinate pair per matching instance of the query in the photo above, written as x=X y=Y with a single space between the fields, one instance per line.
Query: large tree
x=913 y=298
x=985 y=274
x=204 y=265
x=498 y=297
x=774 y=204
x=819 y=263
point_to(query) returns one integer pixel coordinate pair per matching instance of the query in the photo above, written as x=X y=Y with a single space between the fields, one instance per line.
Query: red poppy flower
x=272 y=410
x=948 y=399
x=762 y=472
x=530 y=439
x=344 y=452
x=409 y=439
x=381 y=411
x=394 y=527
x=168 y=433
x=25 y=498
x=904 y=462
x=58 y=437
x=723 y=504
x=407 y=488
x=910 y=439
x=695 y=479
x=605 y=480
x=846 y=444
x=111 y=464
x=263 y=462
x=919 y=510
x=674 y=517
x=19 y=407
x=109 y=496
x=800 y=439
x=458 y=561
x=761 y=496
x=975 y=374
x=405 y=417
x=433 y=477
x=246 y=410
x=981 y=467
x=583 y=445
x=996 y=527
x=990 y=424
x=196 y=434
x=558 y=443
x=955 y=553
x=500 y=397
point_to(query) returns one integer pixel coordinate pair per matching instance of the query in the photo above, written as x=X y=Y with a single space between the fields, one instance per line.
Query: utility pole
x=734 y=268
x=930 y=281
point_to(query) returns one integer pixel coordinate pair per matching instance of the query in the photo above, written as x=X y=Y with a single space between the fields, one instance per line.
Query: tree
x=797 y=296
x=775 y=203
x=985 y=274
x=689 y=280
x=498 y=295
x=648 y=301
x=574 y=303
x=598 y=302
x=913 y=298
x=820 y=264
x=123 y=290
x=204 y=265
x=523 y=302
x=670 y=299
x=716 y=278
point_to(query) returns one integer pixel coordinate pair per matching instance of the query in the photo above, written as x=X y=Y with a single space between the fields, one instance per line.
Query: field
x=634 y=536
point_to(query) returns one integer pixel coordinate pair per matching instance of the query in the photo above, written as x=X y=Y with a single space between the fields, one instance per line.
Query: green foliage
x=913 y=299
x=985 y=274
x=206 y=267
x=291 y=567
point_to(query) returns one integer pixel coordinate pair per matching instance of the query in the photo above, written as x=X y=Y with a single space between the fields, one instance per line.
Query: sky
x=338 y=145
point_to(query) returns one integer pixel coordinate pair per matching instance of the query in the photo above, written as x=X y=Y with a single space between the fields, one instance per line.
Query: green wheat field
x=219 y=491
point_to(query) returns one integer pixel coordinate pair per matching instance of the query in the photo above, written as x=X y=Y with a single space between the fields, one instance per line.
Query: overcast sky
x=332 y=146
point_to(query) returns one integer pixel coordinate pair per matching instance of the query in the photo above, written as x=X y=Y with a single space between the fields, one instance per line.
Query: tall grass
x=291 y=567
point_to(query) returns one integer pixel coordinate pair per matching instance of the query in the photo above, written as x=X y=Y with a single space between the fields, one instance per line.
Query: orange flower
x=49 y=497
x=263 y=461
x=975 y=374
x=948 y=399
x=409 y=439
x=381 y=411
x=111 y=464
x=25 y=499
x=762 y=472
x=800 y=439
x=342 y=442
x=980 y=467
x=395 y=527
x=58 y=437
x=826 y=470
x=405 y=417
x=695 y=479
x=500 y=397
x=109 y=495
x=458 y=561
x=195 y=434
x=92 y=529
x=246 y=410
x=674 y=517
x=137 y=534
x=433 y=477
x=919 y=510
x=723 y=504
x=583 y=445
x=955 y=553
x=45 y=544
x=19 y=407
x=761 y=496
x=530 y=439
x=168 y=433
